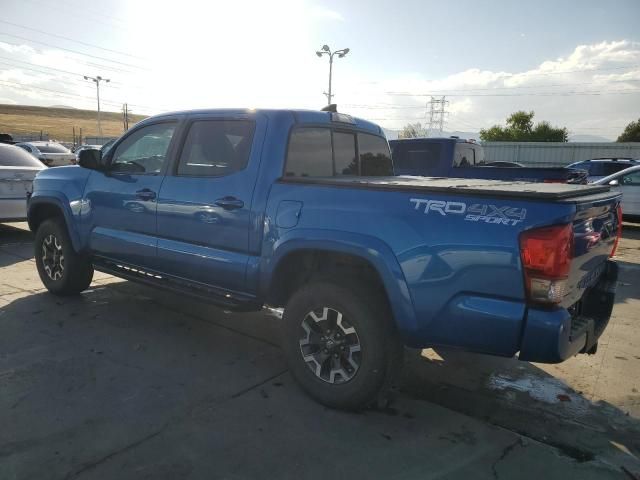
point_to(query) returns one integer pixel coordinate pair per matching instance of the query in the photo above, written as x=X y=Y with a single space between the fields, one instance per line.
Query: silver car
x=51 y=154
x=628 y=182
x=17 y=171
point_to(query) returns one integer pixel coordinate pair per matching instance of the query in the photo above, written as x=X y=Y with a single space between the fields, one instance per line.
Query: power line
x=56 y=92
x=69 y=39
x=83 y=62
x=72 y=51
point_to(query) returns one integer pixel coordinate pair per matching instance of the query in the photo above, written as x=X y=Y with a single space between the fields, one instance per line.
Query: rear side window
x=464 y=156
x=310 y=153
x=375 y=158
x=216 y=147
x=314 y=153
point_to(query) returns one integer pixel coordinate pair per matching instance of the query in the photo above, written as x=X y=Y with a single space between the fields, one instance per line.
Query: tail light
x=546 y=258
x=619 y=232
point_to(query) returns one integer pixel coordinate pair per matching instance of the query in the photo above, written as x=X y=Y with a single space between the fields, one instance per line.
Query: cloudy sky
x=577 y=64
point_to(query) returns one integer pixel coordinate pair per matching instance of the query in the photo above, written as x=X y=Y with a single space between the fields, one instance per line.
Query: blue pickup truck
x=460 y=158
x=301 y=210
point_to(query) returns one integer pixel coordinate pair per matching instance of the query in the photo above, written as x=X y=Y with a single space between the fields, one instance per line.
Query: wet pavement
x=129 y=382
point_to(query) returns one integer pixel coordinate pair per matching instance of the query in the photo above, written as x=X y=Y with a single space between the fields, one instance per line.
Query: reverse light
x=546 y=259
x=619 y=230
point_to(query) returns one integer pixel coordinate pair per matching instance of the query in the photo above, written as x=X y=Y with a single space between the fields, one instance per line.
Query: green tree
x=411 y=130
x=520 y=128
x=631 y=133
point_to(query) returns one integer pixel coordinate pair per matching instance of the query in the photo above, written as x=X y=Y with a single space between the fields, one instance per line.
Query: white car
x=628 y=182
x=17 y=171
x=50 y=153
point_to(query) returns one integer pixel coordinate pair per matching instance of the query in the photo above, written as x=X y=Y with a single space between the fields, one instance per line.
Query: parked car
x=84 y=147
x=626 y=181
x=602 y=167
x=301 y=210
x=50 y=153
x=17 y=171
x=459 y=158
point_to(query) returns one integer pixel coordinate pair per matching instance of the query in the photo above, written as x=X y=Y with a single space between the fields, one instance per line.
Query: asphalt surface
x=128 y=382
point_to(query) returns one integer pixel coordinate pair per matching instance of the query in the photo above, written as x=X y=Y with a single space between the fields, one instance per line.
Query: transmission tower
x=436 y=113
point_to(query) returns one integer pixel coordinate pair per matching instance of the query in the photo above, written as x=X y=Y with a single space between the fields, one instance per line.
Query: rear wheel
x=340 y=344
x=62 y=270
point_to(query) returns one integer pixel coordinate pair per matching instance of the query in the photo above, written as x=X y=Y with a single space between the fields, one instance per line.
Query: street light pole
x=327 y=51
x=97 y=79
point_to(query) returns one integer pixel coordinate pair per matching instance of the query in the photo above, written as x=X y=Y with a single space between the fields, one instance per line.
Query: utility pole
x=327 y=51
x=125 y=116
x=97 y=79
x=436 y=112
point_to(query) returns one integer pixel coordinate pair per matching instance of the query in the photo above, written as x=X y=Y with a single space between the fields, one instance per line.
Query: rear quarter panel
x=461 y=270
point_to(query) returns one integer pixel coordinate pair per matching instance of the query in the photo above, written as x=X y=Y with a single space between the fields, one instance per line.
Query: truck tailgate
x=595 y=233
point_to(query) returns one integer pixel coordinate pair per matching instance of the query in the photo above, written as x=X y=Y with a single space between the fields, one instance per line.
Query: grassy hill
x=59 y=122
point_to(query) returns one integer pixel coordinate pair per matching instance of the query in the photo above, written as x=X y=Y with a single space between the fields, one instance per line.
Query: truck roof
x=316 y=117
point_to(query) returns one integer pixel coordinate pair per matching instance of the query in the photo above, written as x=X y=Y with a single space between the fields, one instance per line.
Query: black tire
x=380 y=350
x=67 y=276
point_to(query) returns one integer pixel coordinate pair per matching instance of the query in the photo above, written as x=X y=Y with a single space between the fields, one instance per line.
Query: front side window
x=26 y=147
x=310 y=153
x=375 y=157
x=145 y=150
x=216 y=147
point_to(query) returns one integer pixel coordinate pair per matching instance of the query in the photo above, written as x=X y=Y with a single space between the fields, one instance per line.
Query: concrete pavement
x=128 y=382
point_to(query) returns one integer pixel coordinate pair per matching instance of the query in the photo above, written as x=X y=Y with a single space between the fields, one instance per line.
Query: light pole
x=97 y=81
x=327 y=51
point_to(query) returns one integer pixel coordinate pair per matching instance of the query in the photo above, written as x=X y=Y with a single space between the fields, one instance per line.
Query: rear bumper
x=552 y=336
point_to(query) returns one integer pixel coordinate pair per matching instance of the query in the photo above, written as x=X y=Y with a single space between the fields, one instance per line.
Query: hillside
x=59 y=122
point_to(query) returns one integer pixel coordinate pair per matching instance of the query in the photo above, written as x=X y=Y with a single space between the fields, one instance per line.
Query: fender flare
x=371 y=249
x=61 y=202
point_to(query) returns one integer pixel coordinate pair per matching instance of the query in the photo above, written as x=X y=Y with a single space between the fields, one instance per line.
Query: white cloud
x=596 y=82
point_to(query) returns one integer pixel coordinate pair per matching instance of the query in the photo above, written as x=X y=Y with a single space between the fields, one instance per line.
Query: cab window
x=144 y=151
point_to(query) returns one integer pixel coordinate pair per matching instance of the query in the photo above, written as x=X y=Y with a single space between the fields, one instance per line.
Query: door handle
x=146 y=194
x=229 y=203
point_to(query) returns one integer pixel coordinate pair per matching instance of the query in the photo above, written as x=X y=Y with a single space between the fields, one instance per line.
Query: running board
x=200 y=291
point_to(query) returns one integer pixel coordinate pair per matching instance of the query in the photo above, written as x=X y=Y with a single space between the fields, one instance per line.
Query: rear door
x=204 y=205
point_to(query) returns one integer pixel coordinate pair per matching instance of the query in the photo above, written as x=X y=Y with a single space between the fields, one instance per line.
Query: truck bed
x=471 y=186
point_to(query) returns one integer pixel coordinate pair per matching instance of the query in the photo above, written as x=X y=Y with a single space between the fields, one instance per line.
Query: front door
x=122 y=199
x=204 y=206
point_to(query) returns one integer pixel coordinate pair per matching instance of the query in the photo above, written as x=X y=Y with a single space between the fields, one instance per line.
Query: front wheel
x=340 y=344
x=62 y=270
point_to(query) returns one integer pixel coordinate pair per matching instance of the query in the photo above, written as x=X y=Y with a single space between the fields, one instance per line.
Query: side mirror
x=614 y=183
x=90 y=158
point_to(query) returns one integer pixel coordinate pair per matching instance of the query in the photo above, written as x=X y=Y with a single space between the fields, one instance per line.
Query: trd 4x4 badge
x=476 y=212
